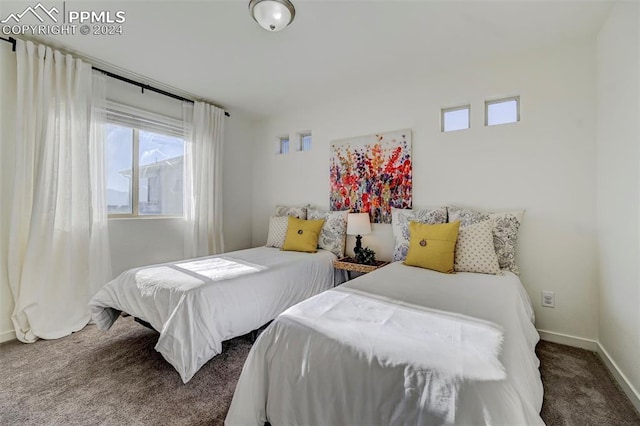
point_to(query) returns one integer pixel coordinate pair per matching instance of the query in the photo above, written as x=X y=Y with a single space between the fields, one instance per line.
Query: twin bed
x=197 y=304
x=400 y=345
x=392 y=348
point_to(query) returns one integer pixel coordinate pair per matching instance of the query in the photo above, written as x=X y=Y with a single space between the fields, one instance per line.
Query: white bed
x=398 y=346
x=197 y=304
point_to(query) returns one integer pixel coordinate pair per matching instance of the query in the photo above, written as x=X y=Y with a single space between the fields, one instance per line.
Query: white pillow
x=334 y=231
x=475 y=251
x=400 y=226
x=277 y=231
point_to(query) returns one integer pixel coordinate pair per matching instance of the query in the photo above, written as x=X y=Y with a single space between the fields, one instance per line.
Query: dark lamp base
x=358 y=246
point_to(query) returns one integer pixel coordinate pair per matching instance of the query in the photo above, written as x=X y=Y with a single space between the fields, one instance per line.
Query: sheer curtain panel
x=204 y=130
x=55 y=258
x=99 y=249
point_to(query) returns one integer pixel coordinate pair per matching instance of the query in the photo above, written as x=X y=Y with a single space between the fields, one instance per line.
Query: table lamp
x=358 y=224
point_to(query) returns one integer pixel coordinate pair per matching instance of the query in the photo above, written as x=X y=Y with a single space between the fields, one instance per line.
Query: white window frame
x=136 y=119
x=303 y=135
x=499 y=101
x=443 y=111
x=281 y=139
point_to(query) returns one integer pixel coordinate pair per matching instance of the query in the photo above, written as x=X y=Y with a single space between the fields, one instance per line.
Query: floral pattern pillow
x=400 y=219
x=296 y=211
x=334 y=231
x=505 y=231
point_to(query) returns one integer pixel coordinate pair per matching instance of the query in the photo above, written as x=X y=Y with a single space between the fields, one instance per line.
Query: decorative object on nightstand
x=358 y=224
x=366 y=256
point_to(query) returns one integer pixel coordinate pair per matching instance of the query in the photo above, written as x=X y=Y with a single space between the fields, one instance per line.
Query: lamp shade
x=358 y=224
x=272 y=15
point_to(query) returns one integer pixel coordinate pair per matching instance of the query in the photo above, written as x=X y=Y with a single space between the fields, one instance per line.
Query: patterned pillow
x=334 y=230
x=400 y=226
x=277 y=231
x=475 y=251
x=505 y=231
x=296 y=211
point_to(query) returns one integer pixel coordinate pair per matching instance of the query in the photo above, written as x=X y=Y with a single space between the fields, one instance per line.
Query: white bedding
x=197 y=304
x=320 y=364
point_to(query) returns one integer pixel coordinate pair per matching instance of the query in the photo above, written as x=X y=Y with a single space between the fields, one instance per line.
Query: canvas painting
x=372 y=174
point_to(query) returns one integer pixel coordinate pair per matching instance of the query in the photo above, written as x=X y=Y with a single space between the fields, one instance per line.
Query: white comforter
x=398 y=346
x=196 y=304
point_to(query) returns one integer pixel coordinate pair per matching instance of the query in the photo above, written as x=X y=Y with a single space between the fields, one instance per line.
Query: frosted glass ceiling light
x=272 y=15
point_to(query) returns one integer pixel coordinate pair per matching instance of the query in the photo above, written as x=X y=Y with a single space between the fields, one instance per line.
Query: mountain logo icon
x=38 y=11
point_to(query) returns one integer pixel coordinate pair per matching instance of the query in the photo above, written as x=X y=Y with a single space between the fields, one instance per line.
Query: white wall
x=7 y=126
x=134 y=242
x=618 y=188
x=237 y=182
x=544 y=164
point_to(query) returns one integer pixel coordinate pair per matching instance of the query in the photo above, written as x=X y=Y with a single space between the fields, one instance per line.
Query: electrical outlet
x=548 y=299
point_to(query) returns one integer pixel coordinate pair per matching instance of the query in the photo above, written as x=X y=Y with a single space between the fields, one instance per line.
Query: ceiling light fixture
x=272 y=15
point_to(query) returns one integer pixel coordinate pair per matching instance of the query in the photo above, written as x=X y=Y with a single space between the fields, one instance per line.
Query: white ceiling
x=214 y=50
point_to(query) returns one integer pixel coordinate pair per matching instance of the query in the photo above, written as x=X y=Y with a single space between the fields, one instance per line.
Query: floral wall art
x=372 y=174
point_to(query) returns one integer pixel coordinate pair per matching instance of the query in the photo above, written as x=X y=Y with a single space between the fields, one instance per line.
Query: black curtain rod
x=126 y=80
x=12 y=41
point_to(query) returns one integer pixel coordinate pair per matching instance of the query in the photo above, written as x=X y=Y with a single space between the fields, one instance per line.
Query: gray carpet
x=112 y=378
x=579 y=390
x=117 y=378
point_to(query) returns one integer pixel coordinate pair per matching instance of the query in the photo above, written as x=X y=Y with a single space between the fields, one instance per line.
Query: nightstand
x=350 y=265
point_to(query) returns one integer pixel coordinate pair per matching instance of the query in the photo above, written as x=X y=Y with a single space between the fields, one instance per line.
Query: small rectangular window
x=305 y=141
x=502 y=111
x=456 y=118
x=284 y=144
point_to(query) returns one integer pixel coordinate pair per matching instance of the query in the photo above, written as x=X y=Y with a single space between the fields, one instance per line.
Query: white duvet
x=197 y=304
x=398 y=346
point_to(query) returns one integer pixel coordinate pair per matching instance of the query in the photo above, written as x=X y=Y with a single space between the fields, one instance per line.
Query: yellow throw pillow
x=432 y=246
x=302 y=235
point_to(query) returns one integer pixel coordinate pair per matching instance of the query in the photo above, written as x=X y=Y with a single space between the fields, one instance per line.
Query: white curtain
x=204 y=130
x=53 y=262
x=99 y=249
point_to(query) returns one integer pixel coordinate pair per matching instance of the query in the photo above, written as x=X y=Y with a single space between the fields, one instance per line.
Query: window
x=119 y=167
x=145 y=166
x=502 y=111
x=456 y=118
x=284 y=144
x=305 y=141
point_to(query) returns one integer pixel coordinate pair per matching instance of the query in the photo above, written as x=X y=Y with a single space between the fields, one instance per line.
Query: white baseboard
x=5 y=336
x=566 y=339
x=631 y=392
